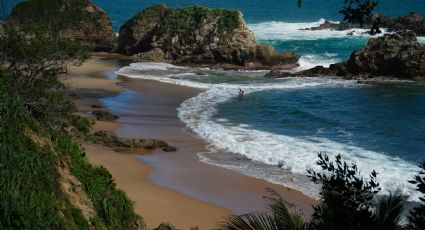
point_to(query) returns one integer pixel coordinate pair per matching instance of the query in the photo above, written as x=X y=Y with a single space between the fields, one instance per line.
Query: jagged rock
x=77 y=20
x=397 y=55
x=112 y=140
x=412 y=21
x=327 y=25
x=165 y=226
x=197 y=35
x=104 y=115
x=273 y=73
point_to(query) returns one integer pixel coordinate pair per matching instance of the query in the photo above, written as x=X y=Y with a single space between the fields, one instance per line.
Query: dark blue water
x=387 y=118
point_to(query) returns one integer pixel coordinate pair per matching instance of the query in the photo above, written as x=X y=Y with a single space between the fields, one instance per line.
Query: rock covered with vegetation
x=397 y=55
x=78 y=20
x=197 y=35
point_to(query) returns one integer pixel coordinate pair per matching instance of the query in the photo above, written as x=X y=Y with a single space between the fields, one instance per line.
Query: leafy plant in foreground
x=417 y=215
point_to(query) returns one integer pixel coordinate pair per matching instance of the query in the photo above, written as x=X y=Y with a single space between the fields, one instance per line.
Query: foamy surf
x=294 y=155
x=297 y=31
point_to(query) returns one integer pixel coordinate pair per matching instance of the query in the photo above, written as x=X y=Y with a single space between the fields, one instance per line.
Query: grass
x=53 y=13
x=31 y=196
x=185 y=20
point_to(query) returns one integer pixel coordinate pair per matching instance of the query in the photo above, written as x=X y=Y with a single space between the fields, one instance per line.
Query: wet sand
x=176 y=186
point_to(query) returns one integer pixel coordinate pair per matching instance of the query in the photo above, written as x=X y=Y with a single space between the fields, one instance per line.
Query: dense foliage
x=53 y=14
x=417 y=218
x=346 y=197
x=355 y=11
x=347 y=201
x=181 y=21
x=37 y=130
x=358 y=11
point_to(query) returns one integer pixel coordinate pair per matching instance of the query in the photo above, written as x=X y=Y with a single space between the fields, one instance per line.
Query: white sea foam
x=296 y=31
x=311 y=60
x=295 y=154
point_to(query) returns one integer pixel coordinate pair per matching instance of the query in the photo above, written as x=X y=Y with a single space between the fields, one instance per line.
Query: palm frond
x=389 y=211
x=285 y=218
x=252 y=221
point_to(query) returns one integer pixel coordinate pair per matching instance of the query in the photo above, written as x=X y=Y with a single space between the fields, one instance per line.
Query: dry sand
x=174 y=187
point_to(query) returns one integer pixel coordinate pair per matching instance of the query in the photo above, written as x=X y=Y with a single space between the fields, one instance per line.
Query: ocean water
x=280 y=126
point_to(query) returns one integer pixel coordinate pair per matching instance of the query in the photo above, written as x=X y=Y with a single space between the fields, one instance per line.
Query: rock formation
x=112 y=140
x=197 y=35
x=412 y=21
x=78 y=20
x=397 y=55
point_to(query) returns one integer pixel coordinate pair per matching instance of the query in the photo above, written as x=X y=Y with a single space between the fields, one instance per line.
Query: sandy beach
x=166 y=187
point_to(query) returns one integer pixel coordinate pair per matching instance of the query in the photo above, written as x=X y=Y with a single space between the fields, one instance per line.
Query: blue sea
x=281 y=125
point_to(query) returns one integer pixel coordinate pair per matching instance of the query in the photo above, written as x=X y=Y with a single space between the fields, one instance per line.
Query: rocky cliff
x=397 y=55
x=78 y=20
x=197 y=35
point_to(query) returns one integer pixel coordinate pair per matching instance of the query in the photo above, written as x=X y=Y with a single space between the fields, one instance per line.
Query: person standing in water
x=241 y=92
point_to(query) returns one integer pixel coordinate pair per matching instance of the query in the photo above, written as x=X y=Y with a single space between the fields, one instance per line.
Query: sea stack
x=78 y=20
x=198 y=35
x=397 y=55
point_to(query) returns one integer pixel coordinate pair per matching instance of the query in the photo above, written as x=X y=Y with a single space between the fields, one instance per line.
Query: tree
x=32 y=59
x=417 y=215
x=348 y=201
x=346 y=198
x=355 y=11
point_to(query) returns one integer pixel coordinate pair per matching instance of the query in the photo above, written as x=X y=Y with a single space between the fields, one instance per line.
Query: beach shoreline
x=174 y=187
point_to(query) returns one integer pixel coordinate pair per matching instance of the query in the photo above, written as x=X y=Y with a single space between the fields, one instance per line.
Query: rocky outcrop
x=104 y=115
x=111 y=140
x=397 y=55
x=72 y=189
x=78 y=20
x=412 y=21
x=197 y=35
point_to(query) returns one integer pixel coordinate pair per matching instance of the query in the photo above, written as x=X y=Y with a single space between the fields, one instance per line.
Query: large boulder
x=77 y=20
x=412 y=21
x=196 y=35
x=397 y=55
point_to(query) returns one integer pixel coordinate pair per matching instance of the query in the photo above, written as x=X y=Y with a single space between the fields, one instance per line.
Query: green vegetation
x=151 y=14
x=278 y=217
x=54 y=14
x=417 y=217
x=348 y=201
x=37 y=131
x=355 y=11
x=181 y=21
